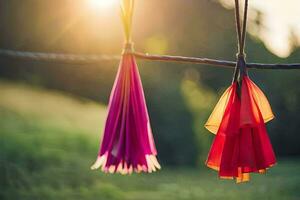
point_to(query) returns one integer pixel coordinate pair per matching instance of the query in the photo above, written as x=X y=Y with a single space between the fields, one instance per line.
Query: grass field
x=49 y=140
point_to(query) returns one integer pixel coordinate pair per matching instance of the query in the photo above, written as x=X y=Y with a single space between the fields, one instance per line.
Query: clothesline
x=215 y=62
x=88 y=59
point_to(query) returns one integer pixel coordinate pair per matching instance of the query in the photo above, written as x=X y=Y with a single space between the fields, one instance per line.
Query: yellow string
x=127 y=8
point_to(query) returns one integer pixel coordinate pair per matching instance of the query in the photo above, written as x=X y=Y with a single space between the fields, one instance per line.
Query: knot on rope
x=240 y=68
x=241 y=64
x=128 y=48
x=241 y=55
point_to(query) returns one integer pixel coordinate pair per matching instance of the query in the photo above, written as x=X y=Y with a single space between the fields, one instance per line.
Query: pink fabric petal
x=127 y=143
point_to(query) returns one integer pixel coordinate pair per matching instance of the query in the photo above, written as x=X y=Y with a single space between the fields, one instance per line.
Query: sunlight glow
x=102 y=3
x=279 y=19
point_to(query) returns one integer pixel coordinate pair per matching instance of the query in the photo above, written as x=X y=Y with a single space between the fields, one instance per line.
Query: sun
x=102 y=3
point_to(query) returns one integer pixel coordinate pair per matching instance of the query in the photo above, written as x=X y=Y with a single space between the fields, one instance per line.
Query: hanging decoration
x=127 y=144
x=241 y=145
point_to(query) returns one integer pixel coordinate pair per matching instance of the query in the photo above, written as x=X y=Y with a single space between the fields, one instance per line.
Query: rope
x=244 y=25
x=241 y=32
x=238 y=24
x=241 y=66
x=92 y=59
x=58 y=58
x=213 y=62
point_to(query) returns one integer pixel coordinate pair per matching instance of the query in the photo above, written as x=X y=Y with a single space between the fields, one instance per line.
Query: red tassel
x=241 y=145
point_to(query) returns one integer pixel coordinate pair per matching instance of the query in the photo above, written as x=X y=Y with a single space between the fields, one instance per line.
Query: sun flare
x=102 y=3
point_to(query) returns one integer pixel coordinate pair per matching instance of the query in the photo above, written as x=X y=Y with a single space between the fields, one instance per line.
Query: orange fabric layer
x=216 y=116
x=258 y=99
x=261 y=101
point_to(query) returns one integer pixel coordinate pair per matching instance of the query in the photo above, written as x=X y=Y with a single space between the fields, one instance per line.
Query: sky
x=280 y=17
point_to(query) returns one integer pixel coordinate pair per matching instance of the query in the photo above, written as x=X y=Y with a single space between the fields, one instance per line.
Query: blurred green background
x=52 y=115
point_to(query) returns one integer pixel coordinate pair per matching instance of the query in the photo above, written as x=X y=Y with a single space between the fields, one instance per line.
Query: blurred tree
x=178 y=106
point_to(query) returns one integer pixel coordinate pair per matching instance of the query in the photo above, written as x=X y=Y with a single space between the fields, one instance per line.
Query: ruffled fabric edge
x=123 y=167
x=245 y=133
x=214 y=120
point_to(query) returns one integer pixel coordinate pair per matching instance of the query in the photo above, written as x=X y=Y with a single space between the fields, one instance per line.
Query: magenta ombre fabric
x=127 y=144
